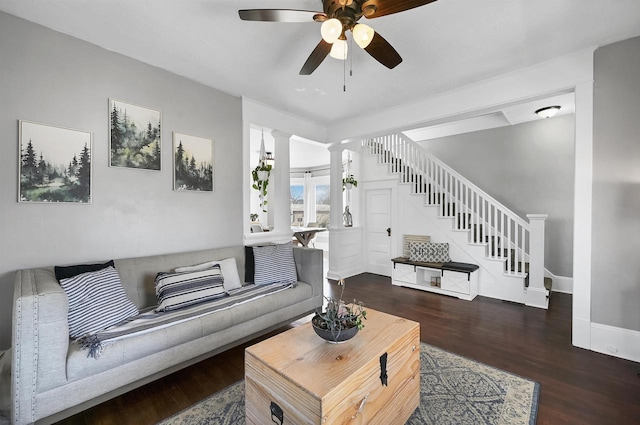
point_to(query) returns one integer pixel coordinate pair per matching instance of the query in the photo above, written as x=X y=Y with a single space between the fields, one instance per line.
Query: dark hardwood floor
x=577 y=386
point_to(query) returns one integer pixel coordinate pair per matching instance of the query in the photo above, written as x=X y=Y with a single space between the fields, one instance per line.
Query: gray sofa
x=53 y=378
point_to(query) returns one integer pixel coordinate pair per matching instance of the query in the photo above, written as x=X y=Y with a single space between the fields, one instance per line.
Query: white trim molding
x=582 y=220
x=562 y=284
x=617 y=342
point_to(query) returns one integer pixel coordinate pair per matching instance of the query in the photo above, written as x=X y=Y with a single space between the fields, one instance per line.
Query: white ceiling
x=502 y=116
x=445 y=45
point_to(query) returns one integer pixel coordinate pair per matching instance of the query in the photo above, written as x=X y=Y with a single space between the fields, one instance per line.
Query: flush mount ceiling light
x=548 y=111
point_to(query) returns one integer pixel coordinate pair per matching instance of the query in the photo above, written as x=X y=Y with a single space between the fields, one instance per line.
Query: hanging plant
x=349 y=182
x=260 y=176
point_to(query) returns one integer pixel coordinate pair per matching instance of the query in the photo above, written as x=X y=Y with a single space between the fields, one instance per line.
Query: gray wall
x=615 y=270
x=54 y=79
x=527 y=167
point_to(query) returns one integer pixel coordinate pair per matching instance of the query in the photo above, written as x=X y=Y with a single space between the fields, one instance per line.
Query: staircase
x=508 y=240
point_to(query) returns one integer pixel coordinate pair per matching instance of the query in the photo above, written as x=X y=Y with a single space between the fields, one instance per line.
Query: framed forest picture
x=192 y=163
x=134 y=136
x=54 y=165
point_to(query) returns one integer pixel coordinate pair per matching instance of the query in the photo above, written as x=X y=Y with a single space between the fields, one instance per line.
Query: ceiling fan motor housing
x=348 y=12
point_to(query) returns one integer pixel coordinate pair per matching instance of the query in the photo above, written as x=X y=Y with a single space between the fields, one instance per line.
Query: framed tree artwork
x=192 y=163
x=54 y=164
x=134 y=136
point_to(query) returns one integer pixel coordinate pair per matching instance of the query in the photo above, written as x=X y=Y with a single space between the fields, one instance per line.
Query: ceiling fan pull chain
x=344 y=74
x=351 y=59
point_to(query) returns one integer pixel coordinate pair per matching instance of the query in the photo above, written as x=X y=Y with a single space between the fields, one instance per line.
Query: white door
x=377 y=231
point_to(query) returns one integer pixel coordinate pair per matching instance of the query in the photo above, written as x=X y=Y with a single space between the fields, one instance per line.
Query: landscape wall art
x=134 y=136
x=192 y=163
x=54 y=165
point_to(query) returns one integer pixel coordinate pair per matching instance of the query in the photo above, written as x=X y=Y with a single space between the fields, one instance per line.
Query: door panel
x=377 y=240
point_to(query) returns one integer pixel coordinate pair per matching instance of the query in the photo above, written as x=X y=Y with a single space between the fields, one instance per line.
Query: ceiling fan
x=338 y=17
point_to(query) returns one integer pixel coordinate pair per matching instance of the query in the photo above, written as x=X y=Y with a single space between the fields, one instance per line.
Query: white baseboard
x=581 y=333
x=562 y=284
x=617 y=342
x=343 y=273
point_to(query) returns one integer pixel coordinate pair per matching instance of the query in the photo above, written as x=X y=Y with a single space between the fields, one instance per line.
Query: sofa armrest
x=309 y=267
x=40 y=337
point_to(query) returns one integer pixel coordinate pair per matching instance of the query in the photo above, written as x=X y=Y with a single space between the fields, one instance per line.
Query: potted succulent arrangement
x=340 y=321
x=349 y=182
x=260 y=176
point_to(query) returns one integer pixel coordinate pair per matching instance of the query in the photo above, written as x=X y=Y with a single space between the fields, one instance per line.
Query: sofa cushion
x=126 y=350
x=429 y=252
x=274 y=264
x=96 y=301
x=179 y=290
x=228 y=266
x=65 y=272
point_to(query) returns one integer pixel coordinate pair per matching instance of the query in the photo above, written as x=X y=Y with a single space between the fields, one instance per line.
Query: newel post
x=536 y=292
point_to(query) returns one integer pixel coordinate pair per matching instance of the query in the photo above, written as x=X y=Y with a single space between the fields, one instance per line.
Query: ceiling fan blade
x=315 y=58
x=279 y=15
x=388 y=7
x=383 y=52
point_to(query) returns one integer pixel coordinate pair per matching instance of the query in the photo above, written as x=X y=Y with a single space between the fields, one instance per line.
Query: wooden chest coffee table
x=296 y=378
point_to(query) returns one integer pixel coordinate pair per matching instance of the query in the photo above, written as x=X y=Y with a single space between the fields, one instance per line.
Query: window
x=296 y=196
x=322 y=205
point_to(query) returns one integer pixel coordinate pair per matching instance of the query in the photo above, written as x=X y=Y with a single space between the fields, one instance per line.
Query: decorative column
x=335 y=214
x=279 y=191
x=536 y=292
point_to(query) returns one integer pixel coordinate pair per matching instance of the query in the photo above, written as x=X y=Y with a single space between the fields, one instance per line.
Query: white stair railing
x=487 y=220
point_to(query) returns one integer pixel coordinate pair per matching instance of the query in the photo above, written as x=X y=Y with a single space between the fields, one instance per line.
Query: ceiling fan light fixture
x=362 y=35
x=339 y=50
x=331 y=30
x=548 y=111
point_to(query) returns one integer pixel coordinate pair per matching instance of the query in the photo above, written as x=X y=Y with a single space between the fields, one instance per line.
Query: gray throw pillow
x=228 y=267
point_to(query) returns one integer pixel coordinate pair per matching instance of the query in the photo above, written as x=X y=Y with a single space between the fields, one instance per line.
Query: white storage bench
x=454 y=279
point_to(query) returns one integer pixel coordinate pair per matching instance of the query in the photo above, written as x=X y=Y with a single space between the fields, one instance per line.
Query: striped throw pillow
x=96 y=301
x=184 y=289
x=274 y=264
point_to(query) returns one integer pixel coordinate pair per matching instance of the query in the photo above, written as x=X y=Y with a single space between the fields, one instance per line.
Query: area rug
x=453 y=390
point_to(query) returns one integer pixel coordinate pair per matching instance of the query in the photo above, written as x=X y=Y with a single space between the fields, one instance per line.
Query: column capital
x=277 y=134
x=336 y=147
